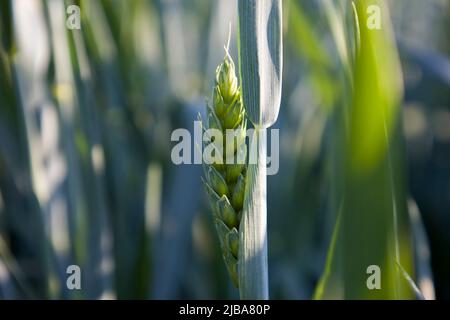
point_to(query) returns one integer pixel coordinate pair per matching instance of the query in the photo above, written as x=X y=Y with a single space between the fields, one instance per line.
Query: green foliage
x=85 y=135
x=261 y=59
x=374 y=226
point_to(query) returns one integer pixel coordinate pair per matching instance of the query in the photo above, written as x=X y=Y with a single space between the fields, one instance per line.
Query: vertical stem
x=253 y=268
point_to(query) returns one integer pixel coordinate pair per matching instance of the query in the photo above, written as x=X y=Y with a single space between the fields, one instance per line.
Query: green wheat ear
x=225 y=183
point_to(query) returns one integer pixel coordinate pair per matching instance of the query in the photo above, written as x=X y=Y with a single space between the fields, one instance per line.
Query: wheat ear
x=225 y=183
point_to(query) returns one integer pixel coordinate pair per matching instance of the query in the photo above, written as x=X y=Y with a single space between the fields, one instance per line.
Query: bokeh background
x=85 y=171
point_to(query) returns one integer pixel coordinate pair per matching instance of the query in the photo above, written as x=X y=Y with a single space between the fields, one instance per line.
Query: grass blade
x=374 y=227
x=261 y=59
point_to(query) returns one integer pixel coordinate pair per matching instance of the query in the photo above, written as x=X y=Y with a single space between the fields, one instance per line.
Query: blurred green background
x=86 y=176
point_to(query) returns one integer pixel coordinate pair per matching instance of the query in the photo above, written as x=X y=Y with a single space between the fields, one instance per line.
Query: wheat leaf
x=261 y=59
x=410 y=281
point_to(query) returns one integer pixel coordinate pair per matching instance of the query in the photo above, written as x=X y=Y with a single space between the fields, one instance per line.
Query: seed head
x=226 y=79
x=225 y=182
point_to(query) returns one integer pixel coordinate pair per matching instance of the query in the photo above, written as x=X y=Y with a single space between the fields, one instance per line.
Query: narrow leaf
x=261 y=59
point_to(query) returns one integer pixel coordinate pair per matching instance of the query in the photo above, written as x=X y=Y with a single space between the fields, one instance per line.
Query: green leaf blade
x=261 y=59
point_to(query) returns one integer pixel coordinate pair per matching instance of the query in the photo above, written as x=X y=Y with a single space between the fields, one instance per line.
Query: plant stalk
x=253 y=266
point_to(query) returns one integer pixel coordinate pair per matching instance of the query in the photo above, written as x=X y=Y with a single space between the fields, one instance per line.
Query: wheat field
x=91 y=92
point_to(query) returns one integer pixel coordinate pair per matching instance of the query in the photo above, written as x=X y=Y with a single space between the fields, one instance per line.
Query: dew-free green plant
x=372 y=226
x=260 y=64
x=225 y=181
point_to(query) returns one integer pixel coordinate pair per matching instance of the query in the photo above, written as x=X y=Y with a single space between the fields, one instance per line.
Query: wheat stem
x=253 y=266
